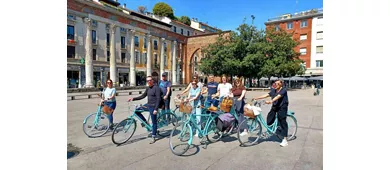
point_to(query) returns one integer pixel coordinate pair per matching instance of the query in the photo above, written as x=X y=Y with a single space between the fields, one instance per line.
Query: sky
x=229 y=14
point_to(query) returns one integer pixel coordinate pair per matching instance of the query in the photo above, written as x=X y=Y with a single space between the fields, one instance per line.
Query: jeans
x=239 y=109
x=154 y=120
x=197 y=111
x=111 y=105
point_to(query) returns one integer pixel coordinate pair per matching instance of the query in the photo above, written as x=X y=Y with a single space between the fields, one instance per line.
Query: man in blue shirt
x=165 y=86
x=279 y=105
x=212 y=88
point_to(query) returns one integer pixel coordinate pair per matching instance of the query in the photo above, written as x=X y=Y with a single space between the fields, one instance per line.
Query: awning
x=316 y=78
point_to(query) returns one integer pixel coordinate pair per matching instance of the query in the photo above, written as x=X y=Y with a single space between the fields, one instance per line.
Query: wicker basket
x=185 y=107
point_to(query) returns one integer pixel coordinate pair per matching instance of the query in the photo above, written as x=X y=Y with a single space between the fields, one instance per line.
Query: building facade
x=306 y=27
x=106 y=40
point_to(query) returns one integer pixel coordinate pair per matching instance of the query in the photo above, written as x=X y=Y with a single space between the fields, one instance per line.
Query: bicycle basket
x=248 y=112
x=185 y=107
x=106 y=109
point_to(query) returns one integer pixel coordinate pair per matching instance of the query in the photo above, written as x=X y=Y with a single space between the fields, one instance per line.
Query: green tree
x=185 y=20
x=163 y=9
x=281 y=59
x=253 y=53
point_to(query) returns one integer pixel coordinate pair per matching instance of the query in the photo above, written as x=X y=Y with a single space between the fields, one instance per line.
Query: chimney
x=124 y=5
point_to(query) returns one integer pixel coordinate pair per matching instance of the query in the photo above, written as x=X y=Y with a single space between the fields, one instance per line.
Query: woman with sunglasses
x=109 y=100
x=194 y=98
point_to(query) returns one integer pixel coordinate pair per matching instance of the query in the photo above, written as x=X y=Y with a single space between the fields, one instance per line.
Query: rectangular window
x=108 y=39
x=70 y=33
x=188 y=33
x=302 y=51
x=94 y=54
x=319 y=63
x=319 y=20
x=145 y=42
x=319 y=35
x=182 y=31
x=303 y=23
x=108 y=56
x=155 y=59
x=277 y=27
x=319 y=49
x=93 y=37
x=303 y=37
x=290 y=25
x=137 y=58
x=136 y=41
x=71 y=52
x=165 y=46
x=123 y=42
x=174 y=29
x=155 y=45
x=145 y=58
x=123 y=57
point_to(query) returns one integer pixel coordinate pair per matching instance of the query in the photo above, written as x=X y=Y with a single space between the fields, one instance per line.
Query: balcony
x=297 y=15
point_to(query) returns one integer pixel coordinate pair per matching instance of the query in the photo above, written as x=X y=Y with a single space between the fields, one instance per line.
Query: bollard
x=71 y=97
x=89 y=96
x=129 y=93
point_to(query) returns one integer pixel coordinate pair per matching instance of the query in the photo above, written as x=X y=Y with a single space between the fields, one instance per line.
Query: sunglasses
x=109 y=82
x=148 y=80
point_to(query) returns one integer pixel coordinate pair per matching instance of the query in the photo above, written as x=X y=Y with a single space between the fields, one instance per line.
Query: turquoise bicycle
x=182 y=134
x=96 y=124
x=255 y=128
x=126 y=128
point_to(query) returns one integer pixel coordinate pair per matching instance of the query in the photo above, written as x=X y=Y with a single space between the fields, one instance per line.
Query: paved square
x=305 y=152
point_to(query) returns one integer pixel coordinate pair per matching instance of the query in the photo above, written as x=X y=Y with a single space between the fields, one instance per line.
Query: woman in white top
x=109 y=100
x=224 y=89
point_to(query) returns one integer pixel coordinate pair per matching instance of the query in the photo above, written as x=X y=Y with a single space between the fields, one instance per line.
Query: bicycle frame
x=193 y=124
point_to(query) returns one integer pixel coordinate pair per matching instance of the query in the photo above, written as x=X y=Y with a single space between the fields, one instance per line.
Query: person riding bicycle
x=199 y=84
x=224 y=89
x=279 y=105
x=153 y=92
x=109 y=100
x=194 y=98
x=212 y=88
x=238 y=94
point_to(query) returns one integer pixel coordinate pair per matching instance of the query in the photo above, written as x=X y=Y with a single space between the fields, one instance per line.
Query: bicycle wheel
x=292 y=128
x=163 y=122
x=179 y=138
x=253 y=134
x=124 y=131
x=213 y=133
x=96 y=125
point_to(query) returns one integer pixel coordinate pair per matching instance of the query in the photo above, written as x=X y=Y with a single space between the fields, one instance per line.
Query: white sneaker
x=243 y=133
x=284 y=143
x=196 y=135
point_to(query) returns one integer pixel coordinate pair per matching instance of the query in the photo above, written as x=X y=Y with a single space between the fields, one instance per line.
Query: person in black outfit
x=279 y=105
x=154 y=102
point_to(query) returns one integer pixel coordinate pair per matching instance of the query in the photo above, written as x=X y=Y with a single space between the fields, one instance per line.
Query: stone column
x=183 y=68
x=132 y=59
x=149 y=56
x=174 y=58
x=162 y=58
x=113 y=69
x=88 y=55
